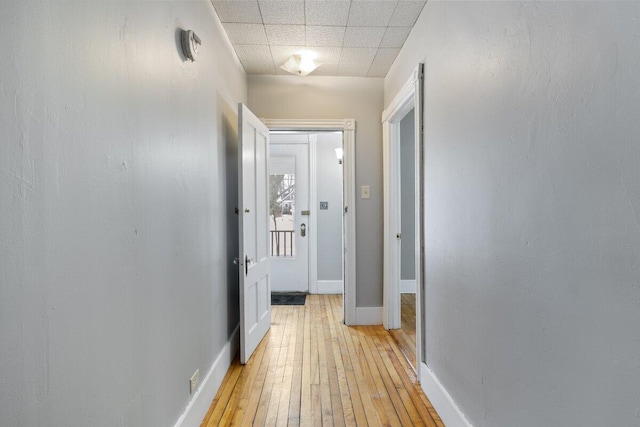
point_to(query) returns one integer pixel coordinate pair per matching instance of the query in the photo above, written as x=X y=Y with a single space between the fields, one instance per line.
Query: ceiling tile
x=371 y=13
x=256 y=59
x=238 y=11
x=285 y=35
x=282 y=12
x=327 y=54
x=350 y=37
x=325 y=35
x=334 y=12
x=395 y=36
x=355 y=61
x=363 y=36
x=253 y=53
x=406 y=13
x=382 y=62
x=326 y=70
x=258 y=68
x=246 y=33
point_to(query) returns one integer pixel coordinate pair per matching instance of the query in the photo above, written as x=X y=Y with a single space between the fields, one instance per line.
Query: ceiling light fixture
x=301 y=63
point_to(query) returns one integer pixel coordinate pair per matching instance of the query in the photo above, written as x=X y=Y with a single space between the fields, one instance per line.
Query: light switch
x=365 y=192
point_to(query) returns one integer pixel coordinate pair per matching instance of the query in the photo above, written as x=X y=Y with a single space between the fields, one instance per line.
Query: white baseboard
x=197 y=408
x=408 y=286
x=368 y=315
x=327 y=287
x=441 y=400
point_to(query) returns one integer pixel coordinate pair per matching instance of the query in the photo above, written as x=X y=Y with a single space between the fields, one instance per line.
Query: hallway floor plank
x=310 y=369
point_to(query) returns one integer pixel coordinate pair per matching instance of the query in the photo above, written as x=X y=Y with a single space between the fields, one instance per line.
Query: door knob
x=303 y=229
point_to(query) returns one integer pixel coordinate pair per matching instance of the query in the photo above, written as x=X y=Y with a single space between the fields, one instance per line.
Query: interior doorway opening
x=406 y=334
x=348 y=129
x=306 y=212
x=403 y=302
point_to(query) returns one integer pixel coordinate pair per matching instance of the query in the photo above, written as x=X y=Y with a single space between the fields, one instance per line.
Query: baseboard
x=368 y=315
x=327 y=287
x=441 y=400
x=408 y=286
x=197 y=408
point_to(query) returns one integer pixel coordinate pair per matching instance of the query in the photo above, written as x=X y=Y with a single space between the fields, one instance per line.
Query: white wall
x=532 y=204
x=329 y=189
x=293 y=97
x=115 y=232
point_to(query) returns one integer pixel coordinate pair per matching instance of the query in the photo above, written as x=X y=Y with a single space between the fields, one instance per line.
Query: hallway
x=311 y=369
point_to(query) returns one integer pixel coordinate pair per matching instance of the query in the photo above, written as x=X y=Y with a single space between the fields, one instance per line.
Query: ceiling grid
x=350 y=37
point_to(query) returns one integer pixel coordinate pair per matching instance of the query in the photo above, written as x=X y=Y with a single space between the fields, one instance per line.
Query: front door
x=254 y=260
x=289 y=212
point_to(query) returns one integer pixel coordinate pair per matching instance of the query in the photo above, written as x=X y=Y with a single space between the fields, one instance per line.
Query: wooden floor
x=406 y=336
x=311 y=369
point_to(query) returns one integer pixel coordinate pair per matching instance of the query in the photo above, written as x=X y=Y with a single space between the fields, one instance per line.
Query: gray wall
x=329 y=189
x=407 y=197
x=532 y=204
x=293 y=97
x=116 y=156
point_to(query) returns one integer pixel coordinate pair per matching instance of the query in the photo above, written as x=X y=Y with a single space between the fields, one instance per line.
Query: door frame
x=348 y=129
x=409 y=97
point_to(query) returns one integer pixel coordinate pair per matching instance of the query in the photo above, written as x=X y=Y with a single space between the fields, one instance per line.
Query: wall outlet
x=193 y=382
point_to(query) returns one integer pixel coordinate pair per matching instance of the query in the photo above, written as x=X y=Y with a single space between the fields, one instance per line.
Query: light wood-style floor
x=406 y=336
x=311 y=369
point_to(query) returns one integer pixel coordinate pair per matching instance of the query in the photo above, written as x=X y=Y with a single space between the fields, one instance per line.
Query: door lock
x=303 y=229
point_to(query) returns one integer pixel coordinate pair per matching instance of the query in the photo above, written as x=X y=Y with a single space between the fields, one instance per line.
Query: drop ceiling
x=350 y=37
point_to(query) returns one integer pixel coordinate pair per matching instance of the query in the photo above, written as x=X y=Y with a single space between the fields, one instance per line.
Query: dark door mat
x=288 y=299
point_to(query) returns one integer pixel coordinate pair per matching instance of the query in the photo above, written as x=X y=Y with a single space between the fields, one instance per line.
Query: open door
x=253 y=194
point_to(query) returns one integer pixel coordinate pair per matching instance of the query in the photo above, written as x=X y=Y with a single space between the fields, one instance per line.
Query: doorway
x=403 y=299
x=347 y=128
x=406 y=334
x=306 y=212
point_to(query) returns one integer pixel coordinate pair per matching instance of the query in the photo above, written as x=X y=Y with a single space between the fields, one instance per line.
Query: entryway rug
x=288 y=299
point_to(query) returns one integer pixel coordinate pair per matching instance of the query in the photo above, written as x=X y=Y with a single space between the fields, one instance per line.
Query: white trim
x=407 y=286
x=329 y=287
x=348 y=128
x=311 y=124
x=199 y=404
x=368 y=316
x=441 y=400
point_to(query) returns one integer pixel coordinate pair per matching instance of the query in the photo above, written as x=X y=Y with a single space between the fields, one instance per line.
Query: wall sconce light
x=302 y=63
x=339 y=154
x=190 y=44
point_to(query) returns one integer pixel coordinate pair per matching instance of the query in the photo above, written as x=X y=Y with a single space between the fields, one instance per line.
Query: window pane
x=282 y=208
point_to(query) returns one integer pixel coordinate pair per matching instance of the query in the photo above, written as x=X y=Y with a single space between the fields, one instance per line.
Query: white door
x=289 y=213
x=255 y=293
